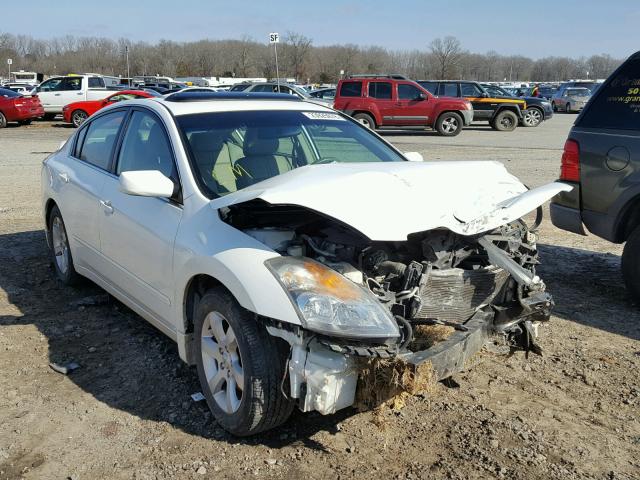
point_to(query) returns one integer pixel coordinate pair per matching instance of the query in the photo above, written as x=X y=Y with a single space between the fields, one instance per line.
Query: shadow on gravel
x=124 y=361
x=588 y=288
x=426 y=133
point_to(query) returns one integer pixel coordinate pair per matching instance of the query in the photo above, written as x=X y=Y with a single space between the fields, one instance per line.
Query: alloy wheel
x=78 y=117
x=222 y=362
x=532 y=117
x=60 y=245
x=450 y=124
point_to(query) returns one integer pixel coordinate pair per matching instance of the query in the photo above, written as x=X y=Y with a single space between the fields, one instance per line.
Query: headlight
x=329 y=303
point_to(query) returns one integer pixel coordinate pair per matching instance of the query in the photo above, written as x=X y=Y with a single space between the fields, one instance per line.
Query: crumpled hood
x=388 y=201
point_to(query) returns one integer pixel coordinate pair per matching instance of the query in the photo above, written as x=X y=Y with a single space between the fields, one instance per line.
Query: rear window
x=5 y=92
x=616 y=104
x=351 y=89
x=381 y=90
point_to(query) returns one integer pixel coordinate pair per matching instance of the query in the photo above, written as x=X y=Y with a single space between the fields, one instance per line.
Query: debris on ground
x=197 y=397
x=64 y=369
x=425 y=336
x=90 y=301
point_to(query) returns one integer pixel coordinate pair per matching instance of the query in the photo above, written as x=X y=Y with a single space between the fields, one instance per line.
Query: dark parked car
x=601 y=160
x=538 y=109
x=502 y=113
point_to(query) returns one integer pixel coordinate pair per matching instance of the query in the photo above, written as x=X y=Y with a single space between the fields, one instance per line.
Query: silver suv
x=286 y=88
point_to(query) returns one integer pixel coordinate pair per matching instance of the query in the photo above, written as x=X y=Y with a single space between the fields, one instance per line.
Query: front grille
x=453 y=295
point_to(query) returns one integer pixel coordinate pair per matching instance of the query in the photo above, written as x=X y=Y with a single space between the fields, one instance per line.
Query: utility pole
x=274 y=38
x=126 y=51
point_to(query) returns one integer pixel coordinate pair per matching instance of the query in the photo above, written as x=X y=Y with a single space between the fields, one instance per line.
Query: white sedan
x=276 y=241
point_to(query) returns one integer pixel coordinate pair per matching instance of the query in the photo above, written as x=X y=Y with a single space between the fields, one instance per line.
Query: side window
x=100 y=138
x=49 y=85
x=470 y=90
x=96 y=82
x=264 y=88
x=448 y=90
x=70 y=84
x=78 y=147
x=146 y=146
x=408 y=92
x=431 y=87
x=380 y=90
x=351 y=89
x=616 y=104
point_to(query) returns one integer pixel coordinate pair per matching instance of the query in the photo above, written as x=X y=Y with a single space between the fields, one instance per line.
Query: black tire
x=49 y=116
x=567 y=108
x=366 y=120
x=631 y=264
x=505 y=121
x=68 y=276
x=3 y=120
x=449 y=124
x=532 y=117
x=78 y=117
x=262 y=360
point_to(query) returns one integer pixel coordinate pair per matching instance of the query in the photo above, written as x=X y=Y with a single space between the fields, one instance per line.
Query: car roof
x=218 y=102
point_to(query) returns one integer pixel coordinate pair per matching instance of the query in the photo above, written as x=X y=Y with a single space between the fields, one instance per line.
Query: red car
x=77 y=112
x=381 y=101
x=18 y=108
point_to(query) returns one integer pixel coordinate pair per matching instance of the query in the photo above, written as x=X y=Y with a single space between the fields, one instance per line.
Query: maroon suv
x=389 y=101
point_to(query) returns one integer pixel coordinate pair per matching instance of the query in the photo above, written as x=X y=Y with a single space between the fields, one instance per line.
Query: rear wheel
x=631 y=264
x=240 y=366
x=78 y=117
x=449 y=124
x=531 y=117
x=60 y=251
x=366 y=120
x=3 y=120
x=505 y=121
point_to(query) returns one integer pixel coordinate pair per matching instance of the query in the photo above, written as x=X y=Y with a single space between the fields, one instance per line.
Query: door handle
x=106 y=205
x=64 y=176
x=56 y=94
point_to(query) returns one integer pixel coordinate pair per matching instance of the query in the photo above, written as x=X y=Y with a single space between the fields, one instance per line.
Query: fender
x=233 y=258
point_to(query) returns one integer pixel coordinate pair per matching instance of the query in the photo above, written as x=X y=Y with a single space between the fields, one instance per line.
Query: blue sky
x=535 y=28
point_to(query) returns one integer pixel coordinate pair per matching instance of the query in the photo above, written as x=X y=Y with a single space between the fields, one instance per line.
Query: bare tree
x=447 y=53
x=296 y=50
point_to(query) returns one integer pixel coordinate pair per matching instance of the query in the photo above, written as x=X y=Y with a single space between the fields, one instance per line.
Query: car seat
x=260 y=161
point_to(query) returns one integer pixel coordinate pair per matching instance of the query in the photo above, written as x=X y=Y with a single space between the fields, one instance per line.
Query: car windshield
x=233 y=150
x=578 y=92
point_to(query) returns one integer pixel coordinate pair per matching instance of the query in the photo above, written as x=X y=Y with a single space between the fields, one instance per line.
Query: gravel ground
x=127 y=412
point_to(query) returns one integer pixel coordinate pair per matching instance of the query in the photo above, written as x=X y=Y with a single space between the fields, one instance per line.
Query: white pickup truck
x=57 y=92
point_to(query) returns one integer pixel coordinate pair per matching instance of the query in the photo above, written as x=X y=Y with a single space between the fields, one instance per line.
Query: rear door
x=79 y=179
x=608 y=135
x=381 y=93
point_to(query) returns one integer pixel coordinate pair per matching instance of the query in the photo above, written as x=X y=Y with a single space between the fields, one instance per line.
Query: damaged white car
x=279 y=242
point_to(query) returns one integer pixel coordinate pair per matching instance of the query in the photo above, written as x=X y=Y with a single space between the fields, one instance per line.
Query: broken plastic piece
x=64 y=369
x=197 y=397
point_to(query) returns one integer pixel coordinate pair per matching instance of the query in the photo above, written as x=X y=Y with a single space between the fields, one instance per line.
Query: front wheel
x=3 y=120
x=531 y=117
x=505 y=121
x=366 y=120
x=449 y=124
x=631 y=264
x=78 y=117
x=240 y=366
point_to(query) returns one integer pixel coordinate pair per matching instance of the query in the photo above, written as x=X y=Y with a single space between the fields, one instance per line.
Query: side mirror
x=421 y=96
x=484 y=95
x=146 y=183
x=413 y=156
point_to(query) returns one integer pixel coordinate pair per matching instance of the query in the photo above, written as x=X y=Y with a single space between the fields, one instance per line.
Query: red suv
x=389 y=101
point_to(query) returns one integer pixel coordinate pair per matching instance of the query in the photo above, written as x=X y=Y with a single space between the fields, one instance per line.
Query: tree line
x=441 y=59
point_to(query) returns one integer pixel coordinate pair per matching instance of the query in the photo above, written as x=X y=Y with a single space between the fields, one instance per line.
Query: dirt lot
x=127 y=412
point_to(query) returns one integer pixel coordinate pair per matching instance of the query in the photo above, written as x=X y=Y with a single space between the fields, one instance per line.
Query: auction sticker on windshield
x=323 y=116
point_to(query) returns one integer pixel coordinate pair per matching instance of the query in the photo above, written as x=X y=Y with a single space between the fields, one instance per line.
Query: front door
x=412 y=106
x=56 y=93
x=138 y=233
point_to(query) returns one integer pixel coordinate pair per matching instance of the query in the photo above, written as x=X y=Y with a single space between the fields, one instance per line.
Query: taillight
x=570 y=166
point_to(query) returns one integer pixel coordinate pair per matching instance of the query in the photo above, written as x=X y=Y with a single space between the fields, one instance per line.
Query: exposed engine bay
x=480 y=283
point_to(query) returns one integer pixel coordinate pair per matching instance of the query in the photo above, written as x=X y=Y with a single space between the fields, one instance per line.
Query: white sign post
x=274 y=38
x=9 y=62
